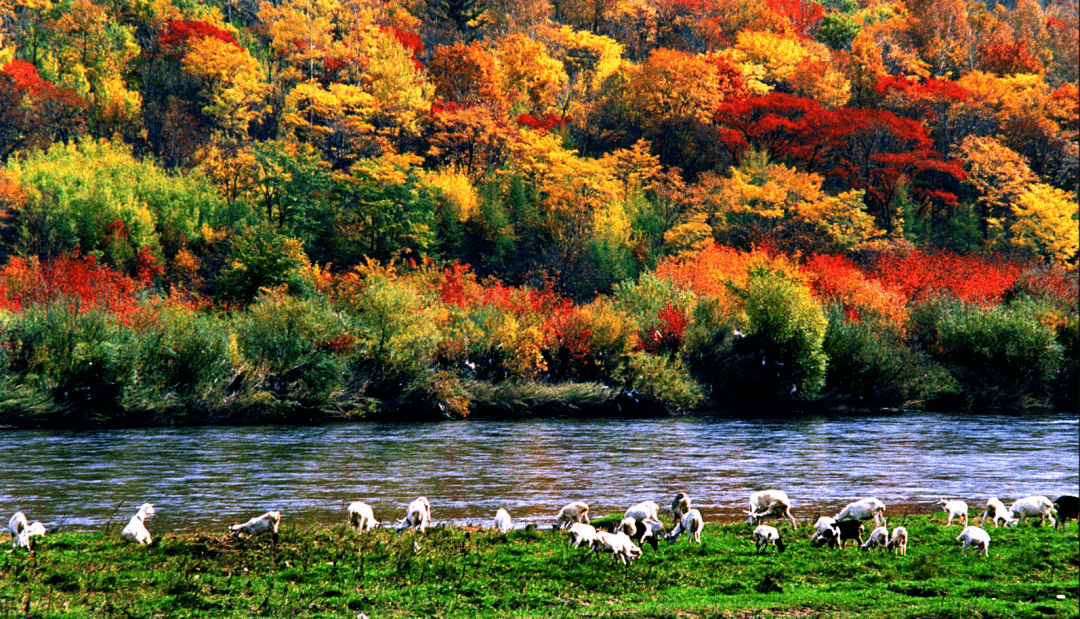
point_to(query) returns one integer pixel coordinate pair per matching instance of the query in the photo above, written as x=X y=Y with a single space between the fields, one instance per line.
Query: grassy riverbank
x=319 y=571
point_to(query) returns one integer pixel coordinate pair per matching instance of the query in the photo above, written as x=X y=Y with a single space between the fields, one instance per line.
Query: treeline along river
x=204 y=478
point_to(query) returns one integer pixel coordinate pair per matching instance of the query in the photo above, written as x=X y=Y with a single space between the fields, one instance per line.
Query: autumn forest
x=233 y=211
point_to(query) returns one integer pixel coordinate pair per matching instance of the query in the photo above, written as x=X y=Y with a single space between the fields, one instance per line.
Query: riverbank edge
x=506 y=401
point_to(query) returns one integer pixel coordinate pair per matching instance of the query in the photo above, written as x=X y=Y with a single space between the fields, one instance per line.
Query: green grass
x=319 y=571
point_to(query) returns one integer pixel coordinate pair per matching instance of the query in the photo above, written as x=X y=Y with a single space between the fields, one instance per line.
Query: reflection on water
x=201 y=478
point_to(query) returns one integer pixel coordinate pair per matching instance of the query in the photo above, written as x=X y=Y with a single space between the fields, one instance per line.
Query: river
x=207 y=477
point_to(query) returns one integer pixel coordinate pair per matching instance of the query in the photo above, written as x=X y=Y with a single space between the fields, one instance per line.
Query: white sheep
x=691 y=523
x=769 y=503
x=270 y=522
x=20 y=536
x=361 y=516
x=824 y=523
x=136 y=527
x=765 y=535
x=974 y=536
x=879 y=538
x=680 y=505
x=997 y=510
x=899 y=540
x=577 y=511
x=645 y=510
x=1030 y=507
x=581 y=533
x=955 y=509
x=618 y=544
x=417 y=515
x=502 y=520
x=864 y=509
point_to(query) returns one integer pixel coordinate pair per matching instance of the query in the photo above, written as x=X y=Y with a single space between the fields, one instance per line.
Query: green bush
x=768 y=355
x=183 y=358
x=286 y=343
x=871 y=368
x=72 y=365
x=1002 y=357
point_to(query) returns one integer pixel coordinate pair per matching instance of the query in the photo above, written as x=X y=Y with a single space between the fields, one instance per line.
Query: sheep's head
x=780 y=545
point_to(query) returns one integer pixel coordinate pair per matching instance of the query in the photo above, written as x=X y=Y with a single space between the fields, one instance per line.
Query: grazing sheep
x=645 y=510
x=653 y=530
x=502 y=520
x=974 y=536
x=417 y=515
x=823 y=524
x=773 y=503
x=1030 y=507
x=20 y=536
x=1067 y=507
x=864 y=509
x=898 y=542
x=879 y=538
x=361 y=516
x=997 y=509
x=136 y=527
x=577 y=511
x=691 y=523
x=680 y=505
x=837 y=535
x=955 y=509
x=35 y=528
x=618 y=544
x=581 y=533
x=270 y=522
x=765 y=535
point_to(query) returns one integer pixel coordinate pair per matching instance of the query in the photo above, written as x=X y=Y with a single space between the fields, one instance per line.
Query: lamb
x=502 y=520
x=270 y=522
x=998 y=510
x=955 y=509
x=577 y=511
x=898 y=542
x=1067 y=507
x=618 y=544
x=839 y=533
x=974 y=536
x=823 y=524
x=680 y=505
x=691 y=523
x=20 y=536
x=581 y=533
x=765 y=535
x=1029 y=507
x=864 y=509
x=417 y=515
x=361 y=516
x=136 y=528
x=653 y=531
x=769 y=503
x=879 y=538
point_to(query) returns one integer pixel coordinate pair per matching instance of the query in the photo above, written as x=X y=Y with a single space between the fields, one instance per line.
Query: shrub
x=184 y=356
x=80 y=362
x=661 y=379
x=1003 y=357
x=871 y=368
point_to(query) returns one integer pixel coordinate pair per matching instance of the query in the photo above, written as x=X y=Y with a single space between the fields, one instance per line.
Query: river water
x=205 y=478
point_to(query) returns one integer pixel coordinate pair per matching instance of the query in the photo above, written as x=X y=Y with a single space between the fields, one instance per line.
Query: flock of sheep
x=641 y=523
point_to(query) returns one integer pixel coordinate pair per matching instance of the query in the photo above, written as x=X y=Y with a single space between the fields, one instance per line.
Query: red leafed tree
x=46 y=113
x=770 y=123
x=543 y=122
x=804 y=15
x=1009 y=58
x=173 y=41
x=668 y=335
x=873 y=150
x=77 y=279
x=919 y=275
x=409 y=41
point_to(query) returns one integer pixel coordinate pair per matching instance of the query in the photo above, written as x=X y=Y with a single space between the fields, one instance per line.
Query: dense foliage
x=228 y=211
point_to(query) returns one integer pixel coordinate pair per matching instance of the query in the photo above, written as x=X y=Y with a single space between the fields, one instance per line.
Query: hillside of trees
x=228 y=211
